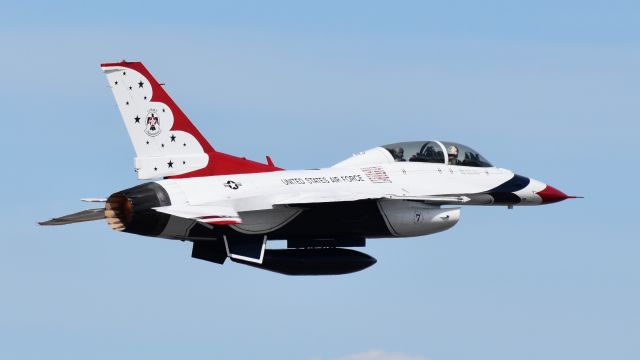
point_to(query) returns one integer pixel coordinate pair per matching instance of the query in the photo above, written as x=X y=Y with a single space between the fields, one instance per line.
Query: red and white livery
x=229 y=207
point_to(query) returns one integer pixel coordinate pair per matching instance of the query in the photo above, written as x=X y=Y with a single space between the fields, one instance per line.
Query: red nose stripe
x=551 y=195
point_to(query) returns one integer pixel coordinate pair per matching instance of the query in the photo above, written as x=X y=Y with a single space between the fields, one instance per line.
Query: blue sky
x=548 y=89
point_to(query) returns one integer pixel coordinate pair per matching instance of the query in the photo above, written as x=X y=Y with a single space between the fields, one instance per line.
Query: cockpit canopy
x=439 y=152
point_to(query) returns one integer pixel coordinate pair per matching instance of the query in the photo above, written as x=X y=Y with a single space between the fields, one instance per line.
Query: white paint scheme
x=528 y=194
x=263 y=202
x=377 y=155
x=281 y=187
x=262 y=191
x=393 y=191
x=154 y=152
x=260 y=199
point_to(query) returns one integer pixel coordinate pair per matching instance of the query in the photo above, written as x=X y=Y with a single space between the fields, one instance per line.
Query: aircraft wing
x=210 y=214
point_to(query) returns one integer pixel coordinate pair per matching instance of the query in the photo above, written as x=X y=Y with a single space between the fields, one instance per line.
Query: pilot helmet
x=452 y=150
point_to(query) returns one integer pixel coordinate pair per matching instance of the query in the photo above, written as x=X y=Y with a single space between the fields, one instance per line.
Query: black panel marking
x=504 y=194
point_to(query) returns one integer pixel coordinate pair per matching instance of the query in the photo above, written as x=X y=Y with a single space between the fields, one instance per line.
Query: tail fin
x=167 y=144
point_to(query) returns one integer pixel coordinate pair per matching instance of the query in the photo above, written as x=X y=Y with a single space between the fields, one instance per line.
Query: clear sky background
x=549 y=89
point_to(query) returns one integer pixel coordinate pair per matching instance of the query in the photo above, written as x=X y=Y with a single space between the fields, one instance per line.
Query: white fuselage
x=260 y=191
x=406 y=195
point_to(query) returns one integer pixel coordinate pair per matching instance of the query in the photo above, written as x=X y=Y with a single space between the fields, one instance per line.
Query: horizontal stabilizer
x=86 y=215
x=215 y=215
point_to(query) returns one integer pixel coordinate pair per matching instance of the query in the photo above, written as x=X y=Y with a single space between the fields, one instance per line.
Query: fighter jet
x=231 y=207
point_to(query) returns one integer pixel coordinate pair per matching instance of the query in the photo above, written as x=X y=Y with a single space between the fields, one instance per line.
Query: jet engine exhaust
x=118 y=211
x=131 y=210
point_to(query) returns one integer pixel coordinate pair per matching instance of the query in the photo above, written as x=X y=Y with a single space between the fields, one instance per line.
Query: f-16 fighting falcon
x=230 y=207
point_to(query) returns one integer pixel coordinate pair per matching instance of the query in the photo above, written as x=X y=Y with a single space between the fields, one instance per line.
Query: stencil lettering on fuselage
x=322 y=180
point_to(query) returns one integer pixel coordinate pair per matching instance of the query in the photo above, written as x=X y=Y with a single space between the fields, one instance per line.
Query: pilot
x=452 y=151
x=398 y=154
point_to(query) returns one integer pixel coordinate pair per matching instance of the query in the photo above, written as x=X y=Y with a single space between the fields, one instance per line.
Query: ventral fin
x=247 y=248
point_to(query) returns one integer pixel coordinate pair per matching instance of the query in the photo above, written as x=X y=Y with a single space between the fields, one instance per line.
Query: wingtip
x=48 y=222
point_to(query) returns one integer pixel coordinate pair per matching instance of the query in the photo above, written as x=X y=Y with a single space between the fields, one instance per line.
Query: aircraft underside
x=315 y=234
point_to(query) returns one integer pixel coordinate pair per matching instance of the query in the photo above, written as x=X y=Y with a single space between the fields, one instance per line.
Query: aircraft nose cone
x=551 y=195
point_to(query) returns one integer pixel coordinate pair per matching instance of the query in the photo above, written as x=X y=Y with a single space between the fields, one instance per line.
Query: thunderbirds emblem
x=153 y=123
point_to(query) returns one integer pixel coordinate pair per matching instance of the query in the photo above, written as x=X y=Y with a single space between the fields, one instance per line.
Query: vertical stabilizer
x=166 y=142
